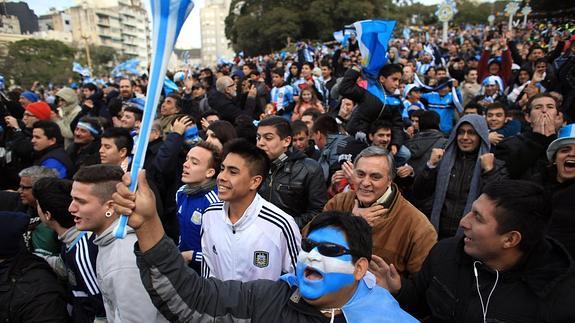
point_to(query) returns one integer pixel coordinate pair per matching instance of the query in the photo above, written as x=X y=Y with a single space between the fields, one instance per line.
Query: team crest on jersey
x=261 y=259
x=196 y=218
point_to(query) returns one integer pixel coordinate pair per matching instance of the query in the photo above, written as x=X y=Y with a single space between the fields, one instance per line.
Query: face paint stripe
x=326 y=264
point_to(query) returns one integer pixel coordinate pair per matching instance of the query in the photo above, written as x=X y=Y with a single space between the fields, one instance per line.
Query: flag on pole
x=78 y=68
x=168 y=16
x=372 y=38
x=128 y=66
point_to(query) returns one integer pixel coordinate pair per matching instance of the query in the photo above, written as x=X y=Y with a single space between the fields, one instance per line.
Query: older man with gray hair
x=225 y=103
x=402 y=235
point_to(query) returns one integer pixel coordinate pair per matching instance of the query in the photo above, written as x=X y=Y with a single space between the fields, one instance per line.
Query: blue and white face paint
x=324 y=274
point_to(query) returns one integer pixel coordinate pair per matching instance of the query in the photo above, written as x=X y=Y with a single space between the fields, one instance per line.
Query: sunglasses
x=326 y=249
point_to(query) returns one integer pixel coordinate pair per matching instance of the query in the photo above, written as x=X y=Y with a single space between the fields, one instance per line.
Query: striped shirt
x=263 y=244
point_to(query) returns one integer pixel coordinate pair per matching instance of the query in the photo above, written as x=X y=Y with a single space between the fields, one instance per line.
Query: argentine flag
x=168 y=16
x=372 y=37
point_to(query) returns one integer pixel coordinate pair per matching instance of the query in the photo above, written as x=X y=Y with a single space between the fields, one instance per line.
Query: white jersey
x=263 y=244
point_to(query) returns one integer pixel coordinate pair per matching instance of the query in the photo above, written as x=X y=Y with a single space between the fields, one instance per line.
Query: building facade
x=212 y=25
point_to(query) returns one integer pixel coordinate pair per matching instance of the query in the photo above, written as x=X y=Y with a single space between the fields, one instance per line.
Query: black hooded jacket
x=540 y=288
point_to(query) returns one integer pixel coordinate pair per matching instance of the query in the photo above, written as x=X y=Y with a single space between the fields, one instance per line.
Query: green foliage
x=51 y=61
x=263 y=26
x=38 y=60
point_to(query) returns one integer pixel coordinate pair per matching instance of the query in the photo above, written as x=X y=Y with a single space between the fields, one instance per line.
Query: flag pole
x=168 y=16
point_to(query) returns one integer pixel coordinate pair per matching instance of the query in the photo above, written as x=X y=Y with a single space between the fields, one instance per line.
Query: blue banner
x=373 y=37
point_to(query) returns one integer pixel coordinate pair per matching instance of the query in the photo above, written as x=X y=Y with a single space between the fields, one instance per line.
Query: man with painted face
x=330 y=284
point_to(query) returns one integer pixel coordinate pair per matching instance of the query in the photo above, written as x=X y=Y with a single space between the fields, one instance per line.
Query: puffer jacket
x=296 y=186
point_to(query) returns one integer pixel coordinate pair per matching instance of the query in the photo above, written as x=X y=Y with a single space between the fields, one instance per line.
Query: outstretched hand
x=386 y=275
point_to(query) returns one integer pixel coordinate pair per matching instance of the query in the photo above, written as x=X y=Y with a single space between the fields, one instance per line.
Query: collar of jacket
x=249 y=216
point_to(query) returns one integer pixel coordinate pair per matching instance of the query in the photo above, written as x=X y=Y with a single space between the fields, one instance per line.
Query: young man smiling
x=245 y=237
x=330 y=279
x=503 y=268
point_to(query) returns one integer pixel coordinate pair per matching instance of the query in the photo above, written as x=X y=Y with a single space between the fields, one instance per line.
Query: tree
x=103 y=58
x=262 y=26
x=32 y=60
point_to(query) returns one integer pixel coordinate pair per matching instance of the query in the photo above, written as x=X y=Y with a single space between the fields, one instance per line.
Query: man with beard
x=453 y=178
x=331 y=280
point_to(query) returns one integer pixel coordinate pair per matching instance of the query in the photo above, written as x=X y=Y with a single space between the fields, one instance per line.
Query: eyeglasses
x=326 y=249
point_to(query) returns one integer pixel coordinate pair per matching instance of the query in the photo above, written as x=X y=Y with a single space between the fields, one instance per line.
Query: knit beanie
x=12 y=228
x=30 y=96
x=40 y=110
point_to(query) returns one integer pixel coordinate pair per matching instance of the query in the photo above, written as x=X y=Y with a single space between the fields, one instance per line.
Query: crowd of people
x=284 y=188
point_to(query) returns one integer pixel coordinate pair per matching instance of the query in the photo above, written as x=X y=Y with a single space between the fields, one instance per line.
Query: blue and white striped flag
x=128 y=66
x=78 y=68
x=372 y=38
x=168 y=16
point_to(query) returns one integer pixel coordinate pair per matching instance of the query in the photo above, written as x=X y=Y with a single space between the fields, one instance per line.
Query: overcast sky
x=190 y=34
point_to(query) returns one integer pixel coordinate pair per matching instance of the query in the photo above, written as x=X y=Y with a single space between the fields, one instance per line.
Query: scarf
x=447 y=162
x=200 y=188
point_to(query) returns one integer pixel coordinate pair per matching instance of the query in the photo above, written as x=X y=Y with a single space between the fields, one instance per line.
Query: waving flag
x=78 y=68
x=372 y=37
x=342 y=35
x=168 y=16
x=169 y=86
x=129 y=66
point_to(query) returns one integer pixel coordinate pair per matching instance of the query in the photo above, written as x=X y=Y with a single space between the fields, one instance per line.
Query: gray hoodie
x=124 y=295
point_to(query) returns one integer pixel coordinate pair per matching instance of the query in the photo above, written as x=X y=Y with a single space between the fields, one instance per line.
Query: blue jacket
x=444 y=106
x=190 y=210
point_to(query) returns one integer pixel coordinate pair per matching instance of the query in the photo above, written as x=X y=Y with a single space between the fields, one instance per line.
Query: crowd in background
x=286 y=136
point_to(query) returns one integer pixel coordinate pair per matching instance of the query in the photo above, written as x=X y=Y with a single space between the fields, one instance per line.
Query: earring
x=108 y=213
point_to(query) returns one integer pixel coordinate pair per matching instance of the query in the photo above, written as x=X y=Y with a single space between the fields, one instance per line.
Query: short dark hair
x=310 y=64
x=299 y=126
x=529 y=104
x=279 y=71
x=390 y=69
x=178 y=99
x=256 y=159
x=216 y=160
x=313 y=112
x=379 y=124
x=53 y=195
x=90 y=86
x=326 y=125
x=137 y=112
x=105 y=178
x=281 y=125
x=223 y=130
x=428 y=120
x=122 y=138
x=210 y=113
x=497 y=105
x=520 y=206
x=355 y=228
x=51 y=130
x=474 y=105
x=469 y=70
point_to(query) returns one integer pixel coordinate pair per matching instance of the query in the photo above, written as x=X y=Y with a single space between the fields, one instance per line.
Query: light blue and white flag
x=128 y=66
x=373 y=37
x=169 y=86
x=168 y=16
x=78 y=68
